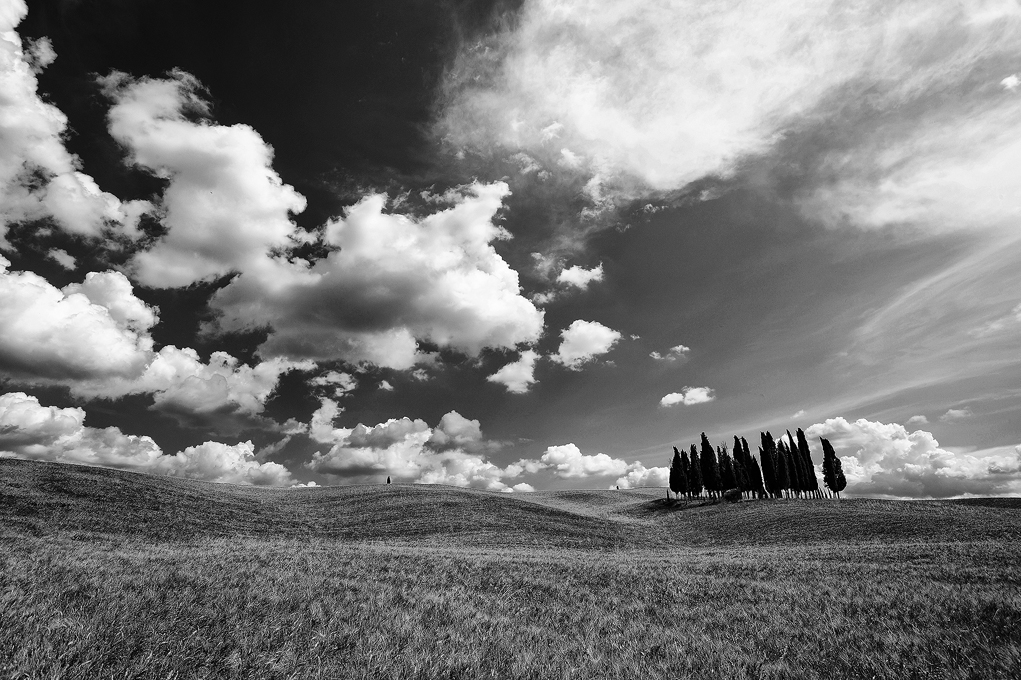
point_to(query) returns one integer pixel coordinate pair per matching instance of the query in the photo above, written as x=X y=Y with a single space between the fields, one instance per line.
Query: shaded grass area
x=111 y=574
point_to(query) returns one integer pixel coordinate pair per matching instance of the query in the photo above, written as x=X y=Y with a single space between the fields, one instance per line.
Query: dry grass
x=106 y=574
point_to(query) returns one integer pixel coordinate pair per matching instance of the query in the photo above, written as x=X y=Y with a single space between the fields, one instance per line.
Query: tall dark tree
x=832 y=470
x=695 y=478
x=728 y=480
x=794 y=465
x=686 y=467
x=678 y=484
x=783 y=475
x=752 y=469
x=767 y=457
x=806 y=456
x=710 y=467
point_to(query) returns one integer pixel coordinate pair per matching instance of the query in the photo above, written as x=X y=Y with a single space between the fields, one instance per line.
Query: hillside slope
x=52 y=498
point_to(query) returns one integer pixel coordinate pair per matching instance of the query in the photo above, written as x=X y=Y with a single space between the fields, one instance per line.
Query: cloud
x=583 y=341
x=386 y=386
x=885 y=459
x=799 y=413
x=31 y=431
x=956 y=414
x=72 y=334
x=887 y=110
x=225 y=209
x=1010 y=82
x=62 y=257
x=407 y=450
x=917 y=420
x=517 y=376
x=38 y=176
x=94 y=338
x=390 y=280
x=580 y=278
x=345 y=383
x=568 y=461
x=688 y=396
x=673 y=354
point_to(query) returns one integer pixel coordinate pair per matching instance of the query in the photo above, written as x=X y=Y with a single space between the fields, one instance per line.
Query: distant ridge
x=53 y=498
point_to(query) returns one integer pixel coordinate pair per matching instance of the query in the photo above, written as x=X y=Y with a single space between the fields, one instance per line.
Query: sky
x=511 y=245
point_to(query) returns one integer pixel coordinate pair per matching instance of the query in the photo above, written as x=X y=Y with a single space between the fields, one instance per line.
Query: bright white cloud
x=886 y=459
x=568 y=461
x=408 y=450
x=94 y=337
x=393 y=280
x=70 y=334
x=517 y=376
x=583 y=341
x=639 y=476
x=38 y=177
x=62 y=257
x=35 y=432
x=1010 y=82
x=580 y=278
x=224 y=207
x=917 y=420
x=688 y=396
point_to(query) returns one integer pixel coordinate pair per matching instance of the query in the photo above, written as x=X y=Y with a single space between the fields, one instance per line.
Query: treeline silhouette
x=783 y=469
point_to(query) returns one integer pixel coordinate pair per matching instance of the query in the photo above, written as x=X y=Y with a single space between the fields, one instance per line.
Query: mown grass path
x=137 y=585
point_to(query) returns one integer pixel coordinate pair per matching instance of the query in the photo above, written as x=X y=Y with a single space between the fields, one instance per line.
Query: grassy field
x=111 y=574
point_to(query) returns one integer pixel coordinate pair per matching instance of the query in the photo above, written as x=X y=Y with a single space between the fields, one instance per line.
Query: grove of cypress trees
x=695 y=478
x=686 y=467
x=710 y=467
x=677 y=482
x=806 y=456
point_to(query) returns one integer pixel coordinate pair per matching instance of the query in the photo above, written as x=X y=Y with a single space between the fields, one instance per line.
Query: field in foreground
x=110 y=574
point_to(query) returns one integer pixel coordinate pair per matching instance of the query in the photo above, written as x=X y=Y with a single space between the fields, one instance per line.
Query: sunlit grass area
x=504 y=588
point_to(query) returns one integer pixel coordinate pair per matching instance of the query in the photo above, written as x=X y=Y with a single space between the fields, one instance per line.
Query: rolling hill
x=52 y=498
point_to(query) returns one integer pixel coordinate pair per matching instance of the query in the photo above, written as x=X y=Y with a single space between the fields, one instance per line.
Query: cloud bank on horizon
x=830 y=108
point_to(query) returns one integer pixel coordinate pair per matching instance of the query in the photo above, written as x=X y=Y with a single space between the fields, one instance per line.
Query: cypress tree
x=783 y=475
x=710 y=467
x=695 y=479
x=768 y=464
x=728 y=480
x=799 y=483
x=829 y=465
x=686 y=467
x=838 y=472
x=751 y=469
x=677 y=482
x=806 y=456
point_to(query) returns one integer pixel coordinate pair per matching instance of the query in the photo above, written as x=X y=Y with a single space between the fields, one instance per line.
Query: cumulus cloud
x=31 y=431
x=885 y=459
x=568 y=461
x=517 y=376
x=583 y=341
x=407 y=450
x=94 y=337
x=579 y=277
x=918 y=420
x=393 y=280
x=56 y=334
x=688 y=396
x=62 y=257
x=225 y=209
x=38 y=176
